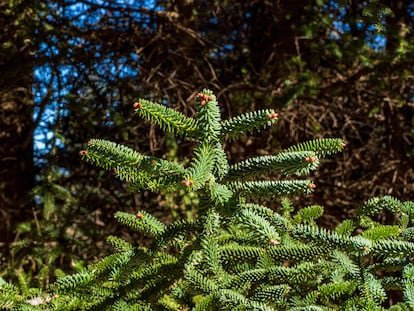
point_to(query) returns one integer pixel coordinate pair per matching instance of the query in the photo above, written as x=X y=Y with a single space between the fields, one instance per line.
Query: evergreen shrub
x=235 y=254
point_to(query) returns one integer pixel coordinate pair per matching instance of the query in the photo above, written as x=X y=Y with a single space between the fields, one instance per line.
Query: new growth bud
x=311 y=186
x=311 y=159
x=137 y=105
x=139 y=215
x=204 y=98
x=273 y=116
x=274 y=242
x=187 y=182
x=83 y=152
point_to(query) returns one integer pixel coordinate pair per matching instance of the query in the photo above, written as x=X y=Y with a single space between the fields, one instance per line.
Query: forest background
x=71 y=71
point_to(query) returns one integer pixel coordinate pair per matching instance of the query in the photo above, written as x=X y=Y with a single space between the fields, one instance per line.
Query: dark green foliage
x=235 y=254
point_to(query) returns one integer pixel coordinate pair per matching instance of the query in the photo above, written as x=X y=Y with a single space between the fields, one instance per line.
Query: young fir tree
x=235 y=255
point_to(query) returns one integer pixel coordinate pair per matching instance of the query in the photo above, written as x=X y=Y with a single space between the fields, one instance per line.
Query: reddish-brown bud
x=273 y=115
x=274 y=242
x=343 y=145
x=137 y=105
x=83 y=152
x=187 y=183
x=311 y=186
x=204 y=98
x=139 y=215
x=153 y=162
x=311 y=159
x=89 y=143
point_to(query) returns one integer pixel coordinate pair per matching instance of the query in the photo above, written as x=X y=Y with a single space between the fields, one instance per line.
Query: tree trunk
x=16 y=115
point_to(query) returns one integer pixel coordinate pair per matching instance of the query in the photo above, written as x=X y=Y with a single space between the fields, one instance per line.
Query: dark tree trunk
x=16 y=149
x=16 y=121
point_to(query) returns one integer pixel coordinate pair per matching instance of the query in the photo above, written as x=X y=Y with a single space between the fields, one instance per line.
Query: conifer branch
x=119 y=244
x=208 y=116
x=175 y=229
x=131 y=166
x=295 y=275
x=261 y=229
x=392 y=248
x=408 y=276
x=335 y=291
x=109 y=155
x=212 y=258
x=381 y=232
x=287 y=163
x=166 y=118
x=199 y=281
x=270 y=189
x=221 y=169
x=377 y=204
x=201 y=167
x=408 y=234
x=272 y=293
x=297 y=252
x=142 y=221
x=240 y=253
x=308 y=214
x=346 y=264
x=207 y=302
x=220 y=194
x=248 y=123
x=320 y=236
x=248 y=277
x=322 y=147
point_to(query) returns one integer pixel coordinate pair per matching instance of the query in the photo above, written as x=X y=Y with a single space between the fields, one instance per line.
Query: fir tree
x=235 y=254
